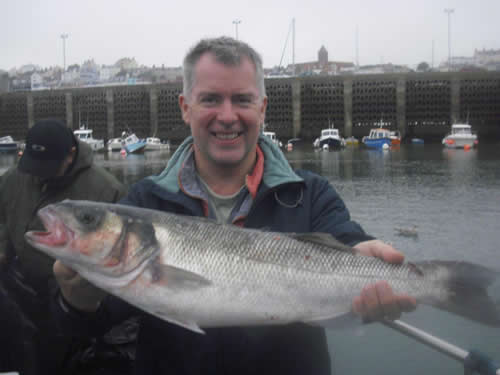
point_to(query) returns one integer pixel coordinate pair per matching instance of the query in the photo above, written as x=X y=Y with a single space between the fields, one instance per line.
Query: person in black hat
x=50 y=150
x=54 y=166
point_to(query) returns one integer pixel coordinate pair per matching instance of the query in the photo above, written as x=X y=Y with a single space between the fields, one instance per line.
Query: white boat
x=114 y=144
x=329 y=138
x=7 y=144
x=460 y=136
x=154 y=143
x=85 y=135
x=272 y=137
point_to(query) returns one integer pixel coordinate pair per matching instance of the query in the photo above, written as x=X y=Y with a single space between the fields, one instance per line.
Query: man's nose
x=227 y=112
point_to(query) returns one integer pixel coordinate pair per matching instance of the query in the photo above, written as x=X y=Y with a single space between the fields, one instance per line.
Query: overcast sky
x=157 y=32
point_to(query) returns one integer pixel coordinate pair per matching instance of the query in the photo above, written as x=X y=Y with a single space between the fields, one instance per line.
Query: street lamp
x=236 y=23
x=449 y=11
x=63 y=37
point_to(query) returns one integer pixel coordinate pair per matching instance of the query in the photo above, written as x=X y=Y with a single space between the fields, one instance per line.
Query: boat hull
x=135 y=148
x=459 y=142
x=376 y=142
x=331 y=143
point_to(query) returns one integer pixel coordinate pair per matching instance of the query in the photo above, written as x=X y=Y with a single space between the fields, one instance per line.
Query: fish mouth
x=57 y=234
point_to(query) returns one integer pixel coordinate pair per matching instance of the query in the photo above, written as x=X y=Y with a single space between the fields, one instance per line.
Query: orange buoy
x=467 y=147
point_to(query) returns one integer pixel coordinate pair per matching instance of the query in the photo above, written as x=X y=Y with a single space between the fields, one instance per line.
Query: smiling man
x=231 y=173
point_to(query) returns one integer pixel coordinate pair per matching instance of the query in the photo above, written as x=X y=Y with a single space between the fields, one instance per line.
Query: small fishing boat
x=114 y=144
x=330 y=138
x=395 y=136
x=417 y=141
x=379 y=138
x=7 y=144
x=461 y=136
x=133 y=145
x=273 y=138
x=154 y=143
x=85 y=135
x=351 y=141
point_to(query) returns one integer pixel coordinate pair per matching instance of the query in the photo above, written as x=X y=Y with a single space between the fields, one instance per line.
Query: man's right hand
x=77 y=291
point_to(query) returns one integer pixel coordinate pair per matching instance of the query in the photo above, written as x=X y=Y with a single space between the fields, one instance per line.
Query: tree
x=423 y=67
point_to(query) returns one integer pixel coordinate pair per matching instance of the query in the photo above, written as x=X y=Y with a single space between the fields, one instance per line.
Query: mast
x=293 y=46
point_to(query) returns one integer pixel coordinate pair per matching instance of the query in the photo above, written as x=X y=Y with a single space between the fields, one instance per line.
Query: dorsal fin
x=324 y=239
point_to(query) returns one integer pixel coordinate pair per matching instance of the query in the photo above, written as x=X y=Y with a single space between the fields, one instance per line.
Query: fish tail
x=466 y=290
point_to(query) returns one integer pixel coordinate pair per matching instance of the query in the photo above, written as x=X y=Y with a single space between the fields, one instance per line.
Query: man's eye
x=242 y=99
x=209 y=100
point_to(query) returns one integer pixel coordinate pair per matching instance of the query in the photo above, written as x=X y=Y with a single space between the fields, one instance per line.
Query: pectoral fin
x=176 y=278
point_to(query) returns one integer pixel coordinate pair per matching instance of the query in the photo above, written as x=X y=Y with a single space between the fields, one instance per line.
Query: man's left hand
x=378 y=301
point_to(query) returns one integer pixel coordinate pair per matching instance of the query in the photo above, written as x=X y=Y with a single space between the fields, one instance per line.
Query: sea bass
x=196 y=273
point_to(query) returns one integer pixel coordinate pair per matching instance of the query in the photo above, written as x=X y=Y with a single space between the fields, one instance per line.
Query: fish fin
x=176 y=278
x=324 y=239
x=191 y=325
x=467 y=290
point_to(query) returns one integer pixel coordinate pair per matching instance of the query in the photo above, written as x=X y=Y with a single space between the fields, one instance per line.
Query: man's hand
x=77 y=291
x=378 y=301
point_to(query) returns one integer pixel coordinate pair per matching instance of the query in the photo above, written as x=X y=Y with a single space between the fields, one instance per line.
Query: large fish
x=196 y=273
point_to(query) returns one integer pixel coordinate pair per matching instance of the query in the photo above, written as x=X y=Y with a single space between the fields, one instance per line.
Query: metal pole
x=64 y=36
x=473 y=361
x=236 y=23
x=449 y=11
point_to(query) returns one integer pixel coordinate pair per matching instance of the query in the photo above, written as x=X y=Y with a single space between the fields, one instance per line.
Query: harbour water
x=449 y=198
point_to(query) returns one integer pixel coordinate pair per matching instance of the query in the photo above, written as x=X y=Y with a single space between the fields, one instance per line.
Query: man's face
x=225 y=113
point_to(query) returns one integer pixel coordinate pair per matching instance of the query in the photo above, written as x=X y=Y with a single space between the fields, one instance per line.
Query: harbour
x=449 y=197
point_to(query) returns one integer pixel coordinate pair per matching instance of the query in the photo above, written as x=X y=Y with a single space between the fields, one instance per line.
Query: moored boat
x=133 y=145
x=114 y=144
x=351 y=141
x=461 y=136
x=154 y=143
x=395 y=136
x=378 y=138
x=273 y=138
x=85 y=135
x=329 y=138
x=7 y=144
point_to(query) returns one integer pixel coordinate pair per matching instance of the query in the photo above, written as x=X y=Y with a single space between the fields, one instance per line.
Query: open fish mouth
x=57 y=234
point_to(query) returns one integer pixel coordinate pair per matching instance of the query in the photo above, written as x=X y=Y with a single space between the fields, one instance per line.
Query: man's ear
x=184 y=106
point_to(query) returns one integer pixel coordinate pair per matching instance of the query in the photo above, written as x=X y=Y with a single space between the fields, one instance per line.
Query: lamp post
x=236 y=23
x=449 y=11
x=64 y=37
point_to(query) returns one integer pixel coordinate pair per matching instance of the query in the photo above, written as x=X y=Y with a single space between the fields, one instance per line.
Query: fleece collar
x=276 y=169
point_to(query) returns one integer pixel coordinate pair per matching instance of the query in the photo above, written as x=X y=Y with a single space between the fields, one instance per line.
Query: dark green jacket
x=22 y=195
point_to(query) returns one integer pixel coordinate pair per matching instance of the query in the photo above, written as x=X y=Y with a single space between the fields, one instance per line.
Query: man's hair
x=227 y=51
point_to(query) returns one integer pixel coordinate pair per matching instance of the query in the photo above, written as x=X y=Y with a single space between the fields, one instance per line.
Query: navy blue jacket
x=286 y=201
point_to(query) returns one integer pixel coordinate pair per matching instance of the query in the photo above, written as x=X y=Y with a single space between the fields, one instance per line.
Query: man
x=53 y=167
x=229 y=172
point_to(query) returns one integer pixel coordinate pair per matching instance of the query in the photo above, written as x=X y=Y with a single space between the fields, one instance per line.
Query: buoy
x=385 y=146
x=467 y=147
x=289 y=146
x=325 y=147
x=123 y=152
x=20 y=153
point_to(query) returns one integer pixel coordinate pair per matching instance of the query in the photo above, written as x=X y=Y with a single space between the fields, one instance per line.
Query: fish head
x=95 y=236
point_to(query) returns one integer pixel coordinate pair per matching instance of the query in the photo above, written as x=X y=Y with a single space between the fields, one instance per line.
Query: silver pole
x=236 y=23
x=449 y=11
x=64 y=37
x=425 y=338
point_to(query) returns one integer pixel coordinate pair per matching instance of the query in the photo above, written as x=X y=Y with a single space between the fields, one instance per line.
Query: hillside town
x=127 y=71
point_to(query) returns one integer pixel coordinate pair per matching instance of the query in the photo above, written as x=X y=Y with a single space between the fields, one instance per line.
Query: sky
x=159 y=32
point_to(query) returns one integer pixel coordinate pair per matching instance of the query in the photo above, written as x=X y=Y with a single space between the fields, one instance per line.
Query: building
x=321 y=67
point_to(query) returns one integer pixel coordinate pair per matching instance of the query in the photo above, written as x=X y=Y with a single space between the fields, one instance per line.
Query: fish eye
x=86 y=218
